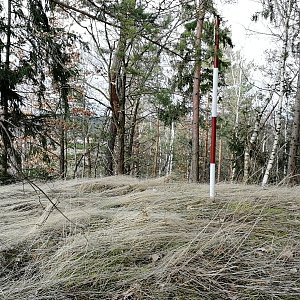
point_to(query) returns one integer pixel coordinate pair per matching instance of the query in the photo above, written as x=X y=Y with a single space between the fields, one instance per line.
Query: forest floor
x=121 y=238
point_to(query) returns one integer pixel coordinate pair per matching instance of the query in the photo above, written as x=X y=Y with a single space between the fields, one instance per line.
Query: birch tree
x=282 y=13
x=293 y=170
x=237 y=82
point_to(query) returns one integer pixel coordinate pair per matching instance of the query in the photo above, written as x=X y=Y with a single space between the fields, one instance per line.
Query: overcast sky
x=238 y=17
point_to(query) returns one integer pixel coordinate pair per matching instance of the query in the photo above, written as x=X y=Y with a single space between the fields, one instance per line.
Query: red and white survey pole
x=214 y=112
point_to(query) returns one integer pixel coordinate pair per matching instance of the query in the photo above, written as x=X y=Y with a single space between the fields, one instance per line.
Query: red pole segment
x=214 y=112
x=213 y=140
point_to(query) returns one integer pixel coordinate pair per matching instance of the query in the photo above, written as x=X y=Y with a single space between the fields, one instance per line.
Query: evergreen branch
x=31 y=183
x=95 y=17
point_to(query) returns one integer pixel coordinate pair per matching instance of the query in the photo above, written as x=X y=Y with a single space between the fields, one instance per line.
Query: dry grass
x=156 y=239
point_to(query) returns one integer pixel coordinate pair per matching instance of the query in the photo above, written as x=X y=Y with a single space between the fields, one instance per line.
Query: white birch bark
x=171 y=149
x=257 y=127
x=156 y=151
x=276 y=138
x=294 y=147
x=238 y=85
x=284 y=55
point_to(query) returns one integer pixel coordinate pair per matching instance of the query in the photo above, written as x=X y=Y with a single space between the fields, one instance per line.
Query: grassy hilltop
x=120 y=238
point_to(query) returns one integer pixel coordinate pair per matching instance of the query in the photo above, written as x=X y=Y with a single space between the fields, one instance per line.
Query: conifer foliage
x=101 y=88
x=34 y=52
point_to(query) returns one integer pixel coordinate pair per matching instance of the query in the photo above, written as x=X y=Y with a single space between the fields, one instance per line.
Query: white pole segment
x=212 y=183
x=215 y=92
x=214 y=112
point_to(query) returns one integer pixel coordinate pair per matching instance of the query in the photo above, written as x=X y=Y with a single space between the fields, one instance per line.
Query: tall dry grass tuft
x=155 y=239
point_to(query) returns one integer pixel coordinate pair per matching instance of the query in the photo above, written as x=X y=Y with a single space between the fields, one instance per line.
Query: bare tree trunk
x=156 y=152
x=75 y=158
x=117 y=77
x=8 y=34
x=285 y=145
x=171 y=149
x=257 y=127
x=131 y=136
x=121 y=128
x=250 y=145
x=64 y=116
x=64 y=110
x=136 y=151
x=278 y=113
x=285 y=20
x=205 y=167
x=220 y=160
x=274 y=147
x=246 y=163
x=121 y=151
x=4 y=101
x=196 y=97
x=237 y=120
x=109 y=166
x=96 y=159
x=62 y=160
x=89 y=157
x=292 y=172
x=83 y=158
x=117 y=102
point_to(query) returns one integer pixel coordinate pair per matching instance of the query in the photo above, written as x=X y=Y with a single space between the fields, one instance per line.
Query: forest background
x=99 y=88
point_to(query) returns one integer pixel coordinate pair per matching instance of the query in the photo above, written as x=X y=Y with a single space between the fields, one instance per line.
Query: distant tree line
x=101 y=88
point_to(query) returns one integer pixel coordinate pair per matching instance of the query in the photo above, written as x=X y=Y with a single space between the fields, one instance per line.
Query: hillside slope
x=121 y=238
